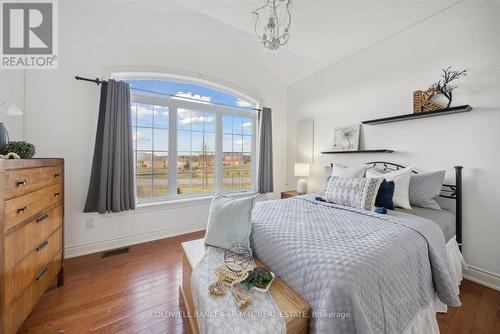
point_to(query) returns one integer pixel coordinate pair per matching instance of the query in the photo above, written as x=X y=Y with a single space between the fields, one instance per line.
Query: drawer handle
x=57 y=175
x=42 y=218
x=21 y=183
x=57 y=194
x=42 y=245
x=22 y=210
x=42 y=273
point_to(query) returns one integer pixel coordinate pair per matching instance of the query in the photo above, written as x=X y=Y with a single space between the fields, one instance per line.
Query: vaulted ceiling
x=323 y=32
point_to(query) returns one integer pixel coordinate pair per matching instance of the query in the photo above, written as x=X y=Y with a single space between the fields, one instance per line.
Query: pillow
x=229 y=221
x=384 y=195
x=401 y=180
x=425 y=187
x=341 y=171
x=353 y=192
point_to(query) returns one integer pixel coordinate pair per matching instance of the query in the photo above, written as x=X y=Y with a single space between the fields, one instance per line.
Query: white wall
x=379 y=82
x=61 y=113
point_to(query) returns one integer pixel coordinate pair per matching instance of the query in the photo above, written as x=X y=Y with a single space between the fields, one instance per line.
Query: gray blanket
x=362 y=272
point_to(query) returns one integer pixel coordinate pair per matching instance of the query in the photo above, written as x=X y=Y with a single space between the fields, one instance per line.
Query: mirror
x=305 y=141
x=12 y=102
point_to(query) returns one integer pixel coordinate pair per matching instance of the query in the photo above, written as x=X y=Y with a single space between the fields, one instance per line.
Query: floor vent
x=117 y=251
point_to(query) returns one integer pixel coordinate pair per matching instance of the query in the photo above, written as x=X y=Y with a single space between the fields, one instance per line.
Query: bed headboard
x=451 y=191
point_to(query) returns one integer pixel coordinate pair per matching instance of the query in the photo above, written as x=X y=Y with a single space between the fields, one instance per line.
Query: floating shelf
x=423 y=114
x=359 y=151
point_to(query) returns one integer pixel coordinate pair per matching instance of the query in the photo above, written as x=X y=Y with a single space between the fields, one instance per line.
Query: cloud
x=243 y=103
x=144 y=110
x=246 y=125
x=188 y=117
x=141 y=136
x=190 y=97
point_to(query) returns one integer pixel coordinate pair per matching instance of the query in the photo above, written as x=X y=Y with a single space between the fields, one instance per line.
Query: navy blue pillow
x=384 y=195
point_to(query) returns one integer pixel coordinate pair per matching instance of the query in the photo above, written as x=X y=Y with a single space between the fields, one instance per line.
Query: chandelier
x=272 y=23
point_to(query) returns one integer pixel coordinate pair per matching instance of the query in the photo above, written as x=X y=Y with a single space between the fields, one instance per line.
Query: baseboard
x=483 y=277
x=95 y=247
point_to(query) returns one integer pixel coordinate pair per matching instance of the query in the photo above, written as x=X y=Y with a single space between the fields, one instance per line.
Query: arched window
x=191 y=140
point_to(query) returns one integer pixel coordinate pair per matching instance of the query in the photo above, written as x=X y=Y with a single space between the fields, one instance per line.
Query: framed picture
x=346 y=138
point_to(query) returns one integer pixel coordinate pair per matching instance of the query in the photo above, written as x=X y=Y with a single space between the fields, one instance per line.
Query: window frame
x=173 y=105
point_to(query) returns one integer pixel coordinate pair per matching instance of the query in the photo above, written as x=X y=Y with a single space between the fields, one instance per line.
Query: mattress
x=445 y=219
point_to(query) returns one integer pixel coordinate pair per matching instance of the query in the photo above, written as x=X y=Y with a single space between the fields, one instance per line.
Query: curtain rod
x=100 y=81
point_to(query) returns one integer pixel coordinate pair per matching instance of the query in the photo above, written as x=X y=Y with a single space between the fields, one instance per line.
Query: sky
x=204 y=94
x=195 y=128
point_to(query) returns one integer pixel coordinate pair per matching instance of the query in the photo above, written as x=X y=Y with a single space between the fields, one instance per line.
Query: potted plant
x=23 y=149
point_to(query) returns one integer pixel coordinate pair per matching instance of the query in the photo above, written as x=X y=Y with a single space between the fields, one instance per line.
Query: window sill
x=176 y=203
x=186 y=202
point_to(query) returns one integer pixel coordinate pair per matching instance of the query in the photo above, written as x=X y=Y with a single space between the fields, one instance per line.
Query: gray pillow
x=356 y=171
x=229 y=221
x=353 y=192
x=425 y=188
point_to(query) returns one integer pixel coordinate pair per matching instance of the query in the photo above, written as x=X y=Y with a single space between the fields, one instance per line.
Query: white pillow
x=356 y=171
x=229 y=221
x=401 y=178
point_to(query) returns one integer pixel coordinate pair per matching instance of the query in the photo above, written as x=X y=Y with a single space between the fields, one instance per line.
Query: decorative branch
x=443 y=85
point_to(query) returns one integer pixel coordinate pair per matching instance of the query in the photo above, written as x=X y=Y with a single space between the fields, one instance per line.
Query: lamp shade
x=301 y=169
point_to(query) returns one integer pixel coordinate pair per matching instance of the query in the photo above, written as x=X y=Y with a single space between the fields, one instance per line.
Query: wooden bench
x=290 y=303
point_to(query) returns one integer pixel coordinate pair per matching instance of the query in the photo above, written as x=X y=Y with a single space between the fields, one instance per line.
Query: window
x=190 y=140
x=195 y=151
x=237 y=152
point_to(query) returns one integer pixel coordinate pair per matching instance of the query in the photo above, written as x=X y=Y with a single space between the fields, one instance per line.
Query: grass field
x=190 y=181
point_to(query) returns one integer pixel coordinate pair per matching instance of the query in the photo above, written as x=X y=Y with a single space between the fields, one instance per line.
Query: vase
x=4 y=136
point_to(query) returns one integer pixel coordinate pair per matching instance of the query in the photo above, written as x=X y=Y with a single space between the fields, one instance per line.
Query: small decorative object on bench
x=260 y=279
x=240 y=298
x=290 y=312
x=237 y=258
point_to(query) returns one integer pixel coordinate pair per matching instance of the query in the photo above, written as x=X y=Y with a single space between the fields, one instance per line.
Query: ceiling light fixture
x=272 y=23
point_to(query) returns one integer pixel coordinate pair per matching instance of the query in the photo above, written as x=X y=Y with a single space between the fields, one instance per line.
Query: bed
x=364 y=272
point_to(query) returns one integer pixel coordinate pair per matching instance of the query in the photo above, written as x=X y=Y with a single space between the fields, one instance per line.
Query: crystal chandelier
x=272 y=23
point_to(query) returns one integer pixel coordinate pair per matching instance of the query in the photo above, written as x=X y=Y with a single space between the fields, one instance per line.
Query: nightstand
x=288 y=194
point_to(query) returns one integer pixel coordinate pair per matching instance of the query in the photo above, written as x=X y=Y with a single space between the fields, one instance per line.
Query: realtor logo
x=29 y=34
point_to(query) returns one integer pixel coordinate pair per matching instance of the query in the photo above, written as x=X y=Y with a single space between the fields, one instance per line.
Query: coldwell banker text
x=29 y=34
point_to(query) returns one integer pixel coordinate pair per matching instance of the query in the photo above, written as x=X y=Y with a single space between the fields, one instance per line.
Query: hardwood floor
x=136 y=293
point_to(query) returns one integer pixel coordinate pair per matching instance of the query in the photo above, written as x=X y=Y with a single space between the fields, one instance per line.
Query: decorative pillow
x=401 y=180
x=229 y=221
x=357 y=171
x=425 y=187
x=384 y=195
x=353 y=192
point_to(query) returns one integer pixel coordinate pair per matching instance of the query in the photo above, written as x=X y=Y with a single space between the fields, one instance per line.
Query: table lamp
x=301 y=170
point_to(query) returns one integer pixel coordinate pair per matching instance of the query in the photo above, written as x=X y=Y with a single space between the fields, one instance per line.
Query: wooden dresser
x=31 y=240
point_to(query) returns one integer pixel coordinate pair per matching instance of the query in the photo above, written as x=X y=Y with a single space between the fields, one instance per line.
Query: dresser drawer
x=23 y=181
x=25 y=239
x=20 y=309
x=30 y=206
x=18 y=279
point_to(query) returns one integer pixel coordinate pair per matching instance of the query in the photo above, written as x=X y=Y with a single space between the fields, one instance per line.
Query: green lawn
x=191 y=181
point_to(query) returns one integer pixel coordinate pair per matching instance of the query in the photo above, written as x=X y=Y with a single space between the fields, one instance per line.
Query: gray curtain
x=265 y=159
x=111 y=187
